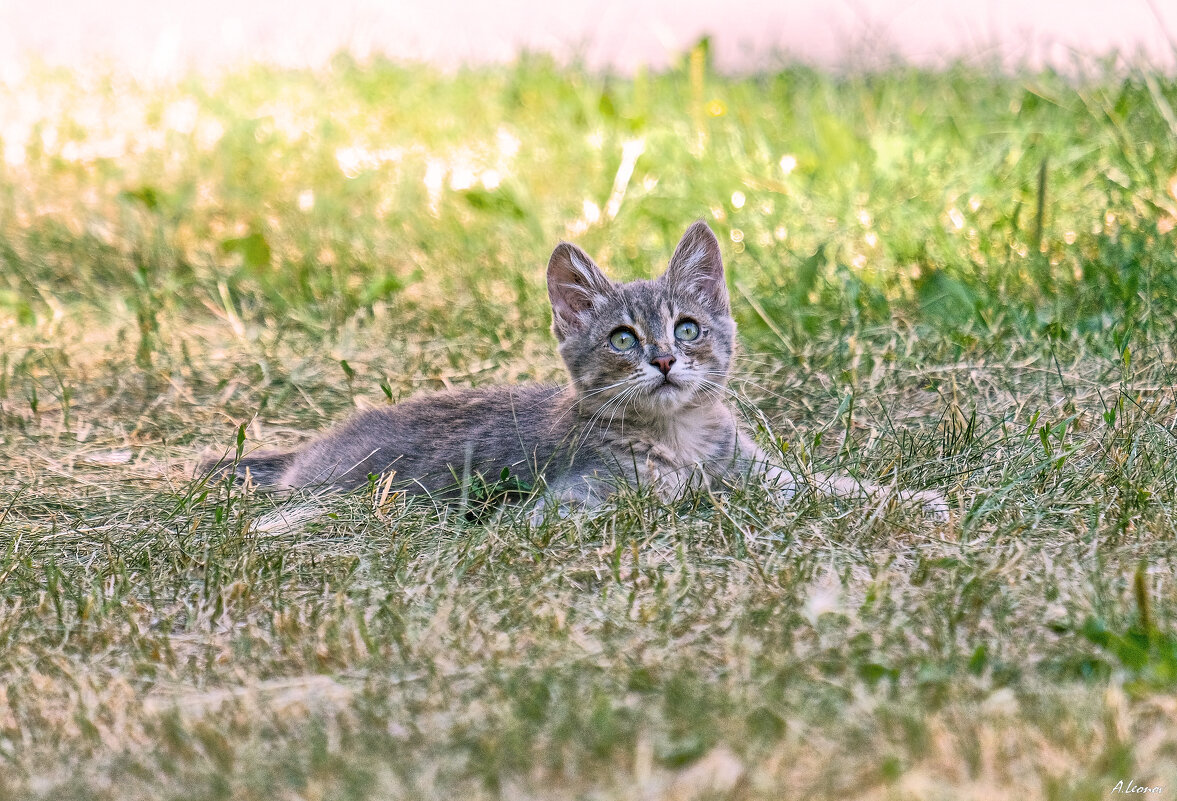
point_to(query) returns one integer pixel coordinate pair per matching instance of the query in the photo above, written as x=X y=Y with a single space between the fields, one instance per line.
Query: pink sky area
x=154 y=38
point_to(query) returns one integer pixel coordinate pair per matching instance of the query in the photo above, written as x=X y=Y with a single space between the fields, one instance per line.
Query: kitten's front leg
x=756 y=462
x=752 y=461
x=564 y=495
x=932 y=503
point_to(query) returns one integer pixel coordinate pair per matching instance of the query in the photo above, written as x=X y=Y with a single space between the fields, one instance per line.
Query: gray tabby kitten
x=647 y=404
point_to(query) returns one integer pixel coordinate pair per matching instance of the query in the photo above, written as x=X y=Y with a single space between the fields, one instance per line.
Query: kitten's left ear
x=697 y=266
x=575 y=284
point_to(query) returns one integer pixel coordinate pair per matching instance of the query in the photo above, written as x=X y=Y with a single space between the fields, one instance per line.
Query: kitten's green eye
x=623 y=339
x=686 y=331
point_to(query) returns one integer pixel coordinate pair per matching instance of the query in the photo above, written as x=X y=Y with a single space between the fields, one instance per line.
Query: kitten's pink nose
x=663 y=363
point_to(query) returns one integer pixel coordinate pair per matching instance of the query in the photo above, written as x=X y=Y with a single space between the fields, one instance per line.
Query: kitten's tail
x=265 y=469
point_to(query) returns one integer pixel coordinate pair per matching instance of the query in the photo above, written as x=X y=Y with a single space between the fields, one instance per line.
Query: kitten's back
x=433 y=441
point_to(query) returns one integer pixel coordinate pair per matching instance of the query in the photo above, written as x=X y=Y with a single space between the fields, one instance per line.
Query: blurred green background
x=981 y=205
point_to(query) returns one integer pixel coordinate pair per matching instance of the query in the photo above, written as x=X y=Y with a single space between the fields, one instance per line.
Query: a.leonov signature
x=1132 y=787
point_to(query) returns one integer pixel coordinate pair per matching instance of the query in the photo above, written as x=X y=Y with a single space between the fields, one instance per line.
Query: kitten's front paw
x=546 y=509
x=933 y=504
x=781 y=484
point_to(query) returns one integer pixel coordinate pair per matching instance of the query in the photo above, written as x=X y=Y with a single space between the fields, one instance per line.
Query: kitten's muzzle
x=663 y=363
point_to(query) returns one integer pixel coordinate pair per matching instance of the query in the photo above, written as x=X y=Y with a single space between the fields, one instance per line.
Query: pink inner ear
x=574 y=298
x=698 y=264
x=574 y=280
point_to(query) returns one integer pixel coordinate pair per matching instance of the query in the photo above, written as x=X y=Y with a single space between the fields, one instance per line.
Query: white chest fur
x=697 y=436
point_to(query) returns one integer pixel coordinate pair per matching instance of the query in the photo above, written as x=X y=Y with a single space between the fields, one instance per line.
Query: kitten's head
x=646 y=347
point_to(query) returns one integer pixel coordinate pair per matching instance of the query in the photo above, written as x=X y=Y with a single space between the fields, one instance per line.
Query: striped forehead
x=645 y=304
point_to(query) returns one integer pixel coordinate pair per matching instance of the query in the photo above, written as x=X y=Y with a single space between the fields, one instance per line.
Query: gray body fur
x=435 y=442
x=654 y=413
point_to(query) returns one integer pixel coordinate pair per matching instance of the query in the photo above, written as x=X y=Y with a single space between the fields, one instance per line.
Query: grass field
x=955 y=281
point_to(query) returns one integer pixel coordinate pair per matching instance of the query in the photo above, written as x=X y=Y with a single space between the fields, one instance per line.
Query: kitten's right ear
x=697 y=265
x=575 y=282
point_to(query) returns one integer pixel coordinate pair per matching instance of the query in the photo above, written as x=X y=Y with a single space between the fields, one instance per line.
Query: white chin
x=667 y=396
